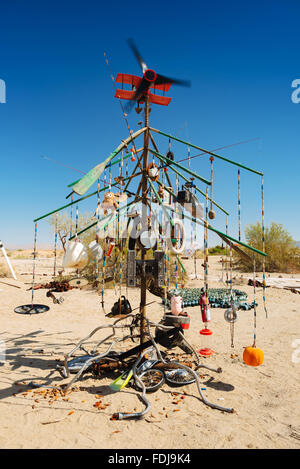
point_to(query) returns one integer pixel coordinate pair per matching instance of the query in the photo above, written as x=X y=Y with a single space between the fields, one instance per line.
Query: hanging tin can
x=205 y=309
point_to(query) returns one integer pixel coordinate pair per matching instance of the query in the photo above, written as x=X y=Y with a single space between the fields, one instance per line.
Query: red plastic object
x=124 y=94
x=206 y=352
x=153 y=98
x=134 y=81
x=162 y=100
x=205 y=332
x=186 y=325
x=110 y=249
x=204 y=307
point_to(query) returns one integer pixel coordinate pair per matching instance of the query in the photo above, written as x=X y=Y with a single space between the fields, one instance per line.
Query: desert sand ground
x=265 y=399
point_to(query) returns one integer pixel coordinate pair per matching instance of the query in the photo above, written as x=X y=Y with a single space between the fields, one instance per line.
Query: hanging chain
x=33 y=266
x=231 y=297
x=206 y=254
x=55 y=247
x=239 y=202
x=254 y=303
x=226 y=257
x=263 y=245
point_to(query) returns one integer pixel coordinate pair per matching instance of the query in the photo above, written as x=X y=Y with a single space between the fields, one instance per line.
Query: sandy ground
x=265 y=399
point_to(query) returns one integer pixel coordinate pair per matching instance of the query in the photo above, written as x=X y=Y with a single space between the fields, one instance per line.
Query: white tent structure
x=7 y=261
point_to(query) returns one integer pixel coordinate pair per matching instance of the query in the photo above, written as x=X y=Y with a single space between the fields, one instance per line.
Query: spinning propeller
x=150 y=77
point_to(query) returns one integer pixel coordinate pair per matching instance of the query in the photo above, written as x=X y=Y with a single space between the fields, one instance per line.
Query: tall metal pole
x=144 y=222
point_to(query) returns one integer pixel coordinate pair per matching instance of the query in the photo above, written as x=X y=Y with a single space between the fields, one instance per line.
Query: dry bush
x=282 y=252
x=4 y=270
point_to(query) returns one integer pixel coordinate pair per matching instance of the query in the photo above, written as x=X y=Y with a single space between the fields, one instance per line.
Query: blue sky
x=241 y=59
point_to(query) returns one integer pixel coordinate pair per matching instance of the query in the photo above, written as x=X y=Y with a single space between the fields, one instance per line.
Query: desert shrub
x=216 y=251
x=64 y=226
x=283 y=255
x=4 y=271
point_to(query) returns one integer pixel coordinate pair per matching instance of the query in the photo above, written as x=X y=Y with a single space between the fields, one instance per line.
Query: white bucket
x=96 y=250
x=76 y=255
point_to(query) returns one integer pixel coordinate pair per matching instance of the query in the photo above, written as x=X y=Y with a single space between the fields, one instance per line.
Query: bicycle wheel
x=152 y=379
x=179 y=377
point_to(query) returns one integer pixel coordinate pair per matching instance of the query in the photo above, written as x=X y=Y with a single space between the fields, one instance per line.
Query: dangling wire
x=211 y=159
x=188 y=148
x=71 y=216
x=110 y=175
x=239 y=202
x=33 y=265
x=118 y=245
x=254 y=303
x=176 y=273
x=103 y=277
x=168 y=264
x=104 y=248
x=195 y=243
x=76 y=233
x=55 y=247
x=166 y=282
x=97 y=260
x=76 y=222
x=263 y=245
x=206 y=254
x=231 y=297
x=226 y=258
x=222 y=259
x=114 y=264
x=126 y=168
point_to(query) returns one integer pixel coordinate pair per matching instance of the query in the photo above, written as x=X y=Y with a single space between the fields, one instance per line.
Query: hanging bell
x=170 y=156
x=211 y=214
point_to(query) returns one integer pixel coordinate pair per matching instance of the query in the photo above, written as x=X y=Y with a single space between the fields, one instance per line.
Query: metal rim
x=77 y=363
x=170 y=377
x=153 y=379
x=31 y=309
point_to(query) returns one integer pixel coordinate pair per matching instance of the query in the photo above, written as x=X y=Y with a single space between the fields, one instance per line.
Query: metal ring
x=153 y=379
x=231 y=315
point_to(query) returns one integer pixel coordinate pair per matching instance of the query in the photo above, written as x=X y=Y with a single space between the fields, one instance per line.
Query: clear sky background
x=241 y=58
